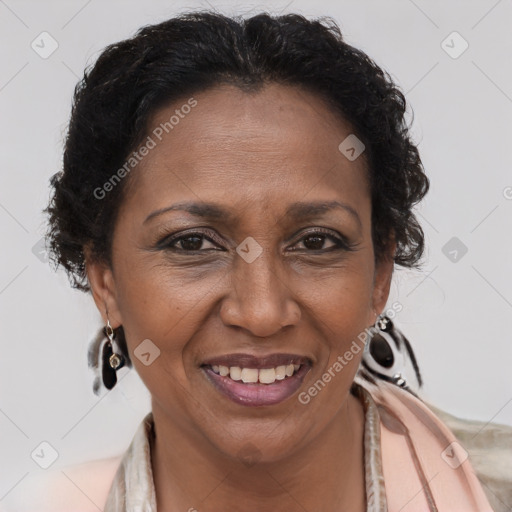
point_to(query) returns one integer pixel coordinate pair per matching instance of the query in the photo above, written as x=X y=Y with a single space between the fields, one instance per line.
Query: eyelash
x=168 y=241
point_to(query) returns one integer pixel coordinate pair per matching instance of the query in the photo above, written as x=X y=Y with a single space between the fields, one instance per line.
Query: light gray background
x=457 y=314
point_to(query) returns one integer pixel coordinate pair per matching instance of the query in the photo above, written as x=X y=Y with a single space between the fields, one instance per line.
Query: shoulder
x=489 y=447
x=80 y=488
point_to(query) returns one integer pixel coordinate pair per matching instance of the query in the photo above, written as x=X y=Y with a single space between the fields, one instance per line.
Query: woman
x=235 y=196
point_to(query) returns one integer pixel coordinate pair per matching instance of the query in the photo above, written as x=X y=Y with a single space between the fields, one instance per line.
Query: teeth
x=267 y=375
x=253 y=375
x=280 y=372
x=249 y=375
x=235 y=373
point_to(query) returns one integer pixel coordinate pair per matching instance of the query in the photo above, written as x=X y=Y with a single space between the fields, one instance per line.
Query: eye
x=315 y=241
x=189 y=242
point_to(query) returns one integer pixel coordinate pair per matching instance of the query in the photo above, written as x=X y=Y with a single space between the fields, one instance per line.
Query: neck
x=326 y=474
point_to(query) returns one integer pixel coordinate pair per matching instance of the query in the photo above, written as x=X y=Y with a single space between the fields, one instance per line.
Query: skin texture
x=253 y=154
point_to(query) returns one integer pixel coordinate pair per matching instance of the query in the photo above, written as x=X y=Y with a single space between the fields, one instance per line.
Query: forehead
x=277 y=144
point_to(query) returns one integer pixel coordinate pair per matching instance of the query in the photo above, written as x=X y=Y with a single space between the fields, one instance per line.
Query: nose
x=261 y=301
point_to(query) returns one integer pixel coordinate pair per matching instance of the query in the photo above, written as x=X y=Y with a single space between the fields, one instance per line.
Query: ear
x=382 y=279
x=102 y=284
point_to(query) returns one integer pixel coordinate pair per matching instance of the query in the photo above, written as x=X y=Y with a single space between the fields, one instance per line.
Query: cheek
x=343 y=297
x=155 y=299
x=345 y=311
x=155 y=307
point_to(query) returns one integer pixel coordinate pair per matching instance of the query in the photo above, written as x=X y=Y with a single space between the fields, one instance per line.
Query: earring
x=111 y=361
x=384 y=356
x=383 y=322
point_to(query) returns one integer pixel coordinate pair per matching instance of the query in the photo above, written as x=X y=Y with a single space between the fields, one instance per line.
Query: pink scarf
x=425 y=468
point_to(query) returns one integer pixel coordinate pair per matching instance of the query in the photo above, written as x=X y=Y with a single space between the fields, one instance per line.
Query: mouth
x=252 y=381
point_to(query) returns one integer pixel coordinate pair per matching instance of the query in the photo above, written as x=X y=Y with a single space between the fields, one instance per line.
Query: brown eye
x=315 y=242
x=190 y=242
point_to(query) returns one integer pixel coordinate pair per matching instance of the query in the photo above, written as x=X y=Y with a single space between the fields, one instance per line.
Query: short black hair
x=194 y=51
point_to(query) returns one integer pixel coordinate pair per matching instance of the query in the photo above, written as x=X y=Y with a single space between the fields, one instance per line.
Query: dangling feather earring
x=102 y=359
x=387 y=354
x=111 y=362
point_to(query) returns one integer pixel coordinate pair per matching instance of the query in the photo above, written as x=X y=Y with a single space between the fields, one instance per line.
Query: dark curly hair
x=195 y=51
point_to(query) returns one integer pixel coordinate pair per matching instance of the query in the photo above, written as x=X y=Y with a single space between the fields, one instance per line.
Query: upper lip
x=258 y=362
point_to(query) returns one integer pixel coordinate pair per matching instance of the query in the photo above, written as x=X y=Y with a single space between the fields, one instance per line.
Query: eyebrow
x=299 y=210
x=304 y=210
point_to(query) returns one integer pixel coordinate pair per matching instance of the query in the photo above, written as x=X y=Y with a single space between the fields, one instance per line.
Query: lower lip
x=257 y=394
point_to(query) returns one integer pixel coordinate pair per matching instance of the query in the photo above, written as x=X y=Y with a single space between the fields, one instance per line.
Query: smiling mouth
x=265 y=385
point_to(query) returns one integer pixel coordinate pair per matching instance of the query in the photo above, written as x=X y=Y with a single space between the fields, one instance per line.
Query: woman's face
x=245 y=232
